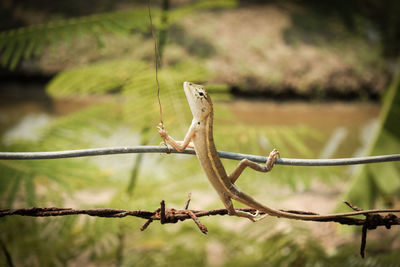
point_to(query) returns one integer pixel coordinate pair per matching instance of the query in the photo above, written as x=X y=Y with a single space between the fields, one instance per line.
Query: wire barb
x=201 y=226
x=163 y=219
x=188 y=201
x=355 y=208
x=364 y=231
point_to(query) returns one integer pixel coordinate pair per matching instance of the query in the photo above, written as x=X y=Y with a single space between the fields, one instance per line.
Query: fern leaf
x=30 y=47
x=8 y=50
x=135 y=79
x=34 y=38
x=40 y=42
x=17 y=54
x=28 y=41
x=97 y=78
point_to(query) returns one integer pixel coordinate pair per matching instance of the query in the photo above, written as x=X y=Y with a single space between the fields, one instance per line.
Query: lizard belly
x=212 y=166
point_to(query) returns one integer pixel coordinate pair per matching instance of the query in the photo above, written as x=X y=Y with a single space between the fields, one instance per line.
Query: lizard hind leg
x=239 y=213
x=252 y=217
x=255 y=166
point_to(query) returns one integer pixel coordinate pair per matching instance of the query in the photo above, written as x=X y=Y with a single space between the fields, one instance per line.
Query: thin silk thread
x=156 y=61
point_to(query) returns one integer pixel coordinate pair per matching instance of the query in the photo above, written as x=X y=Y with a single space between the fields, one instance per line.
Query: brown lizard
x=201 y=134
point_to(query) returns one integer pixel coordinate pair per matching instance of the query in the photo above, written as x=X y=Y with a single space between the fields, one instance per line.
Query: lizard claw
x=260 y=217
x=164 y=135
x=257 y=216
x=161 y=130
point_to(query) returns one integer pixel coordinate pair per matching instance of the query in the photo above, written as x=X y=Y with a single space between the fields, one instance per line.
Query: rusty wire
x=170 y=215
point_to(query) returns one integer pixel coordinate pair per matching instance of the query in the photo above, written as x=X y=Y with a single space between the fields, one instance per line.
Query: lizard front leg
x=178 y=145
x=254 y=165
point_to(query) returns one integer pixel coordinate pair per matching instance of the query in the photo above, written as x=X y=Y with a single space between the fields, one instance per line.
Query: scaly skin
x=201 y=135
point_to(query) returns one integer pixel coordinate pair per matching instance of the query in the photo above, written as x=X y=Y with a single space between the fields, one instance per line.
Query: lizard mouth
x=187 y=87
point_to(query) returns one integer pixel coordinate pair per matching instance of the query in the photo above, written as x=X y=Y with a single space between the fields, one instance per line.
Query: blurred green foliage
x=381 y=181
x=26 y=42
x=133 y=104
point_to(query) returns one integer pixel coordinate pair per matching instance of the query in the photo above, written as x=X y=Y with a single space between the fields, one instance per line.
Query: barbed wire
x=171 y=215
x=163 y=149
x=164 y=215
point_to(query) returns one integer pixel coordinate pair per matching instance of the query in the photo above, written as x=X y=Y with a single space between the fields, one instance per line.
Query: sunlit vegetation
x=111 y=54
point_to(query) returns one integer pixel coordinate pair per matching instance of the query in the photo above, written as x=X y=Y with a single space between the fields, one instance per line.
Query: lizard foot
x=272 y=159
x=164 y=135
x=252 y=217
x=261 y=217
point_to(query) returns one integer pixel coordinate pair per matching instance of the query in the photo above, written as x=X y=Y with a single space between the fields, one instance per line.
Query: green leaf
x=30 y=47
x=17 y=54
x=386 y=176
x=8 y=52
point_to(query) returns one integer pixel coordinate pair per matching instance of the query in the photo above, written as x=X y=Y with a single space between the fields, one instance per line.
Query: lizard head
x=199 y=100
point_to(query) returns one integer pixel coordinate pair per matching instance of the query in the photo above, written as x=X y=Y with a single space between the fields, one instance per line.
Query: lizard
x=200 y=137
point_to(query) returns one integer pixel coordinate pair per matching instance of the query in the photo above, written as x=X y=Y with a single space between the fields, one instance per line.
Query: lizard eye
x=201 y=94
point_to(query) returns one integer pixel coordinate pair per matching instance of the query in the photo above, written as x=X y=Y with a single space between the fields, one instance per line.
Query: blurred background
x=314 y=79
